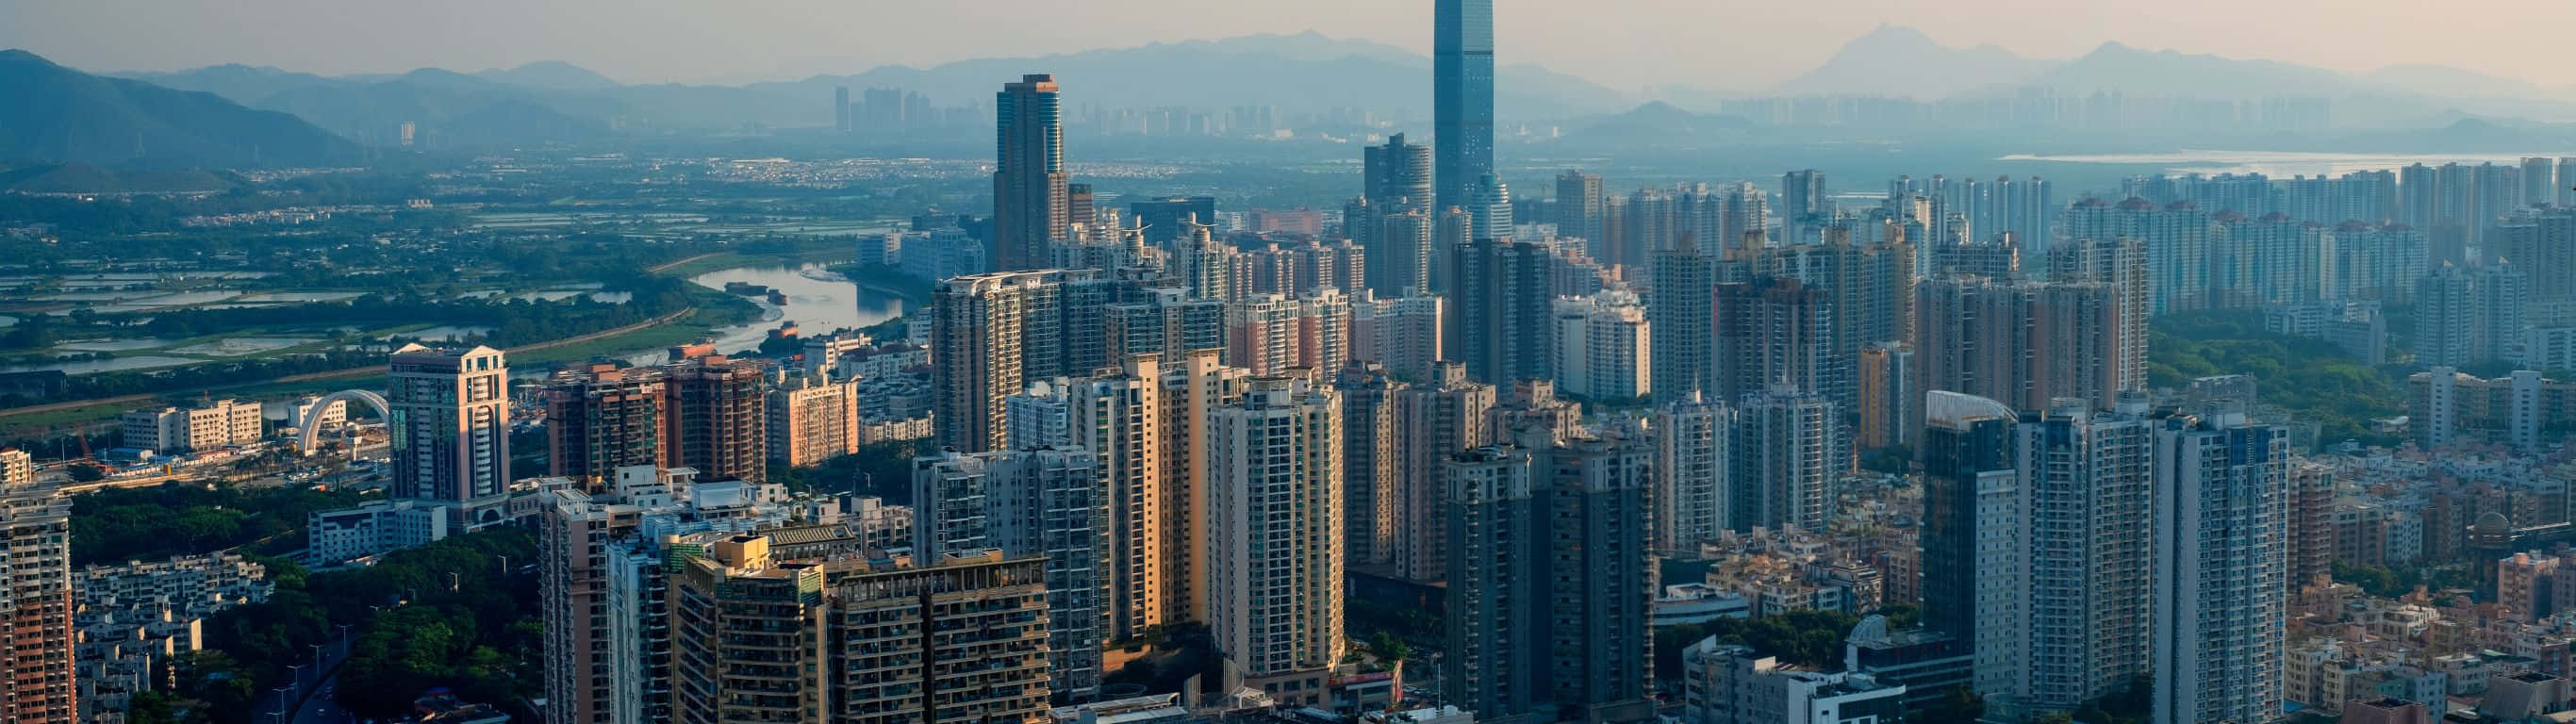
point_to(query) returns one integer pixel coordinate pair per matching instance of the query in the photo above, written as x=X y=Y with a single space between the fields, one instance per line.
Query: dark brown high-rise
x=1031 y=206
x=715 y=417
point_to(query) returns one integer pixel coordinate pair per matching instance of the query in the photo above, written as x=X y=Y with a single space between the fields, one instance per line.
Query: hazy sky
x=1626 y=44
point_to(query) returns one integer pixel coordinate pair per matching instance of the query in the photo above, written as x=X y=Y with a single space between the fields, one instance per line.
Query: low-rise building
x=375 y=528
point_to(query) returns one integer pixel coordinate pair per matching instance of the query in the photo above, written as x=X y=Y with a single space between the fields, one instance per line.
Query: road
x=313 y=691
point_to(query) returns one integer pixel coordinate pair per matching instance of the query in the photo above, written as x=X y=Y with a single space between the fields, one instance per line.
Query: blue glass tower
x=1462 y=104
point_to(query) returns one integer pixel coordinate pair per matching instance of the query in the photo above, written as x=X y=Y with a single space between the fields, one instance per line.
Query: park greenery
x=2310 y=379
x=459 y=613
x=118 y=525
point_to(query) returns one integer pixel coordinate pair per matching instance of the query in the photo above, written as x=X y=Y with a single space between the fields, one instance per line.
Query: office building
x=1163 y=218
x=1031 y=208
x=1547 y=588
x=1787 y=461
x=2086 y=478
x=1050 y=503
x=1971 y=537
x=1274 y=541
x=212 y=426
x=2221 y=515
x=753 y=636
x=1462 y=97
x=451 y=427
x=1603 y=347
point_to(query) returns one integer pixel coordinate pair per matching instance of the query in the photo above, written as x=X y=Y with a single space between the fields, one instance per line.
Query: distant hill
x=2134 y=71
x=57 y=114
x=1301 y=73
x=1304 y=72
x=447 y=110
x=1898 y=61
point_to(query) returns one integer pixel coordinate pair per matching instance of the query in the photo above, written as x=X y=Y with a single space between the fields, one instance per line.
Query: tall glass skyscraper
x=1030 y=203
x=1462 y=88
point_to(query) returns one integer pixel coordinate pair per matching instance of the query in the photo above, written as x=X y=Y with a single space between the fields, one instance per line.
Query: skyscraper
x=1691 y=468
x=2086 y=480
x=1499 y=319
x=758 y=634
x=989 y=335
x=1787 y=461
x=1602 y=348
x=450 y=426
x=1549 y=585
x=2121 y=263
x=1051 y=503
x=716 y=417
x=1031 y=207
x=603 y=418
x=1462 y=104
x=1683 y=315
x=1441 y=417
x=841 y=108
x=2221 y=515
x=1370 y=467
x=1971 y=534
x=1579 y=210
x=1274 y=544
x=1778 y=330
x=1397 y=176
x=1804 y=205
x=35 y=534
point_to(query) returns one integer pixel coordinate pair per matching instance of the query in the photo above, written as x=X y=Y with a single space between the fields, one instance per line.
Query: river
x=818 y=300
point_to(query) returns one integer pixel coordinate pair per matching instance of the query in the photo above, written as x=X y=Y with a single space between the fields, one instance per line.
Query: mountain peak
x=1899 y=61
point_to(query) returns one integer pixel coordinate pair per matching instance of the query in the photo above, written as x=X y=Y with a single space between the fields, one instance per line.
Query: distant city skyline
x=1657 y=42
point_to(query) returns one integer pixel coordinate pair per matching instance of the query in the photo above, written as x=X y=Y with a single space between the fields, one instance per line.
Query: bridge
x=306 y=430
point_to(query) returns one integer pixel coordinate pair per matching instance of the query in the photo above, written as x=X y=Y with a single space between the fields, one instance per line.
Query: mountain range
x=1896 y=61
x=540 y=102
x=229 y=115
x=60 y=114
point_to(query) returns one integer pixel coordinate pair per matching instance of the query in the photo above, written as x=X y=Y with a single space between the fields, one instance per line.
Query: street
x=315 y=686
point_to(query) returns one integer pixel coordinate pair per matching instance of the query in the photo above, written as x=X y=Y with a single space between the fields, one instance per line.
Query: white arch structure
x=304 y=443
